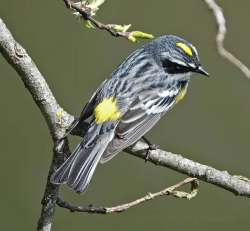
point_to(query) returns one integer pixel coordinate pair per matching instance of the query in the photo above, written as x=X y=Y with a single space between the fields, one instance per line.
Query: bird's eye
x=173 y=68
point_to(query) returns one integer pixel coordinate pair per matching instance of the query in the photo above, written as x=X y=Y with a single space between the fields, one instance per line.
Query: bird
x=137 y=94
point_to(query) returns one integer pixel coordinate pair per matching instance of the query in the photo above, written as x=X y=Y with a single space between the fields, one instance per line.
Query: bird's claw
x=151 y=147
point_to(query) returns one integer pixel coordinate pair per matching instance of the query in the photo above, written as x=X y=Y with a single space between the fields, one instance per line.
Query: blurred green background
x=210 y=126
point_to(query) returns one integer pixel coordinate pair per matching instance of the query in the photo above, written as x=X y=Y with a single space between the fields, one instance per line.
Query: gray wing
x=143 y=114
x=81 y=123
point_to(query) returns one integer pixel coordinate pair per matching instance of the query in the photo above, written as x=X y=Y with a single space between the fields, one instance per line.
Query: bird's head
x=177 y=55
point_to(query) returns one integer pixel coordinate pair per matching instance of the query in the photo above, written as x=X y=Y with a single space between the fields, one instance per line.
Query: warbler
x=138 y=93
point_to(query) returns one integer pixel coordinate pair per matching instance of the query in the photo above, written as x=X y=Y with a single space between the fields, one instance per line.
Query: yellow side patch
x=107 y=110
x=185 y=48
x=181 y=95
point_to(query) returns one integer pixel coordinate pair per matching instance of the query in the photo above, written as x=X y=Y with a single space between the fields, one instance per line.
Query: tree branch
x=60 y=151
x=220 y=37
x=236 y=184
x=170 y=191
x=56 y=118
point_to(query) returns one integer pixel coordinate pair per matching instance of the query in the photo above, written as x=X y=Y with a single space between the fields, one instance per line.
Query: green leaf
x=121 y=28
x=134 y=36
x=132 y=39
x=89 y=24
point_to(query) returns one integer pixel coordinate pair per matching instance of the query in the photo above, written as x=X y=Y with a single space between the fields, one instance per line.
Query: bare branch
x=34 y=81
x=56 y=118
x=170 y=191
x=222 y=30
x=60 y=151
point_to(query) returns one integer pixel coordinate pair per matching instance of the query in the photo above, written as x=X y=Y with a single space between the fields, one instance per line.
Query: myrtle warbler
x=128 y=104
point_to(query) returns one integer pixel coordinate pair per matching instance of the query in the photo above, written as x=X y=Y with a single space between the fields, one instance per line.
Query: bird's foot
x=151 y=147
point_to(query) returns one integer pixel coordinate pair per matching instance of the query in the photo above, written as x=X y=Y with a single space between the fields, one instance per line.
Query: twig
x=85 y=12
x=220 y=37
x=170 y=191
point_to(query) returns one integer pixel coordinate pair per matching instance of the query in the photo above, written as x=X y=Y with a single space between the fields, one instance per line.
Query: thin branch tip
x=87 y=13
x=169 y=191
x=220 y=37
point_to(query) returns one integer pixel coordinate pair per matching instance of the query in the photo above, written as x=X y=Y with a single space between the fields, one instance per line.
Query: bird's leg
x=151 y=147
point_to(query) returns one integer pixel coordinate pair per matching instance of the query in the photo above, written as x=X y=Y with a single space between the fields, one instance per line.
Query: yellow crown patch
x=185 y=48
x=107 y=110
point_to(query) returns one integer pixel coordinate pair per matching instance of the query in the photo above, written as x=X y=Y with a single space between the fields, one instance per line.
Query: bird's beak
x=202 y=71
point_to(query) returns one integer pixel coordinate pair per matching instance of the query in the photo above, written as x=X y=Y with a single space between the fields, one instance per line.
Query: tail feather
x=61 y=175
x=78 y=169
